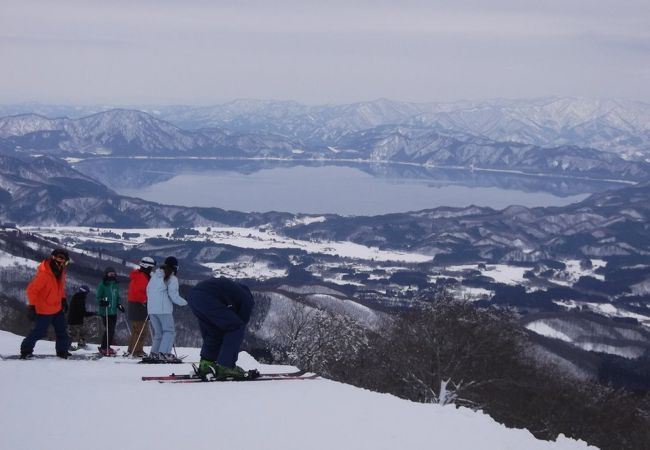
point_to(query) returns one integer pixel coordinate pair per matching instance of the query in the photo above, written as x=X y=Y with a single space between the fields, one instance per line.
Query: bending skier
x=46 y=304
x=223 y=307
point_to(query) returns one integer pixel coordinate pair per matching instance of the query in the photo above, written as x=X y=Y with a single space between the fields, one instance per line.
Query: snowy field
x=253 y=238
x=103 y=405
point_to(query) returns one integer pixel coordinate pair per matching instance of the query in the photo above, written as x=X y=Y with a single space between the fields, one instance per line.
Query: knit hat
x=171 y=262
x=61 y=252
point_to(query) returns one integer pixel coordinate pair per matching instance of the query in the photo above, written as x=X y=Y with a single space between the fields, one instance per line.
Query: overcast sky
x=334 y=51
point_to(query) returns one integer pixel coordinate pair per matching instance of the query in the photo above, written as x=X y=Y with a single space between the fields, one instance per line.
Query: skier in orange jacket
x=47 y=304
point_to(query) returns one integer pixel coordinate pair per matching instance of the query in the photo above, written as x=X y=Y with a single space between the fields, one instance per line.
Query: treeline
x=451 y=352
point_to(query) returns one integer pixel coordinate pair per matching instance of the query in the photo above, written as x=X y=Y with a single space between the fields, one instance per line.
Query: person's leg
x=132 y=337
x=61 y=330
x=38 y=332
x=74 y=332
x=112 y=321
x=212 y=339
x=156 y=327
x=224 y=328
x=168 y=333
x=82 y=333
x=137 y=338
x=230 y=347
x=212 y=336
x=103 y=344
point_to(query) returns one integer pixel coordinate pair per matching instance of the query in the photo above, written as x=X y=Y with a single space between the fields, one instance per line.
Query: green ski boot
x=206 y=370
x=231 y=373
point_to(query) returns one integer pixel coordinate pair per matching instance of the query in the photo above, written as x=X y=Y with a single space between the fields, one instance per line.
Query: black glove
x=103 y=302
x=120 y=307
x=31 y=313
x=64 y=305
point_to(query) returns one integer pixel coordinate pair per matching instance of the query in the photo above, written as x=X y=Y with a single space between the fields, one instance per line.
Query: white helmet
x=147 y=262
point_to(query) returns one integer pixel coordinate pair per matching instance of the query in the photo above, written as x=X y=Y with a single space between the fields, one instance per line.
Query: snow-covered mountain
x=127 y=132
x=316 y=414
x=430 y=147
x=110 y=132
x=619 y=126
x=135 y=133
x=614 y=125
x=46 y=191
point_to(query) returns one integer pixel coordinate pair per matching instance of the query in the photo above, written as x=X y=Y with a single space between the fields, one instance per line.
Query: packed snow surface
x=104 y=405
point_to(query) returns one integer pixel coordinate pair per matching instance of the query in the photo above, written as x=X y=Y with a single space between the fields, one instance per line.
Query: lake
x=346 y=189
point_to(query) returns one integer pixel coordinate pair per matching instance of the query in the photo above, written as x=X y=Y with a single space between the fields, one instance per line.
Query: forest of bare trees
x=447 y=351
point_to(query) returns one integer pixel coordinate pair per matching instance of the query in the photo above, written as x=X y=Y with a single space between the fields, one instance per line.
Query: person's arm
x=172 y=291
x=118 y=302
x=99 y=296
x=35 y=289
x=115 y=295
x=247 y=304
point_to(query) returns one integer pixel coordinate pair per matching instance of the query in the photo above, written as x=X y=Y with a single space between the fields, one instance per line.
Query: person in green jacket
x=108 y=299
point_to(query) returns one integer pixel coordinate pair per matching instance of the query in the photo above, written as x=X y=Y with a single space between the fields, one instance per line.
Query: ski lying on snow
x=195 y=379
x=192 y=378
x=86 y=357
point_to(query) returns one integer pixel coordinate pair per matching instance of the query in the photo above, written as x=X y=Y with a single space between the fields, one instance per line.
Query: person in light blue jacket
x=162 y=294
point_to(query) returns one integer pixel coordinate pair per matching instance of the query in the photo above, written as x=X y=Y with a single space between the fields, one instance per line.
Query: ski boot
x=107 y=351
x=206 y=370
x=231 y=373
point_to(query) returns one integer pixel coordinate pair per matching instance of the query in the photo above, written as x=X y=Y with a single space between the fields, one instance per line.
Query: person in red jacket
x=137 y=305
x=47 y=304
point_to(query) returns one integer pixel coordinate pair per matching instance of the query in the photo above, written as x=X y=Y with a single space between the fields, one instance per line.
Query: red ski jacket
x=137 y=286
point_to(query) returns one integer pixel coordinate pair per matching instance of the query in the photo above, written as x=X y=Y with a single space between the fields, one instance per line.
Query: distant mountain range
x=618 y=126
x=373 y=131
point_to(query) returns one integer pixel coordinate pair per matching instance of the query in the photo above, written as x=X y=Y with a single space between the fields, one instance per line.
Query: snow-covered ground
x=103 y=405
x=9 y=260
x=500 y=273
x=254 y=238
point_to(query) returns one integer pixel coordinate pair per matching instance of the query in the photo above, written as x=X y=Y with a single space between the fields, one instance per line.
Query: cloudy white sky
x=335 y=51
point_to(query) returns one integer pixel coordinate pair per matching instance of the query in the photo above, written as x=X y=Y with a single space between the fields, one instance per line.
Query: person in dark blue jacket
x=223 y=307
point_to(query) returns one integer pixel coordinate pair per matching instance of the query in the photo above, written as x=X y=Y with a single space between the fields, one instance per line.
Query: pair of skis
x=80 y=357
x=193 y=378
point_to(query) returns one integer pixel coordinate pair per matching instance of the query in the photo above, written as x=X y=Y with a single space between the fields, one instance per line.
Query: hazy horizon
x=200 y=52
x=314 y=104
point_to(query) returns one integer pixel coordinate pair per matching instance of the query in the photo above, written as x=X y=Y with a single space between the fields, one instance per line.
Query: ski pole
x=106 y=314
x=144 y=325
x=128 y=328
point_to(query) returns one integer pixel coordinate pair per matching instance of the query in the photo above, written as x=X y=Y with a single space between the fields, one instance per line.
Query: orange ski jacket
x=45 y=292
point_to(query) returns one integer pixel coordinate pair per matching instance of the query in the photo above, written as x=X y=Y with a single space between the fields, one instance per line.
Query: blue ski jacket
x=162 y=295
